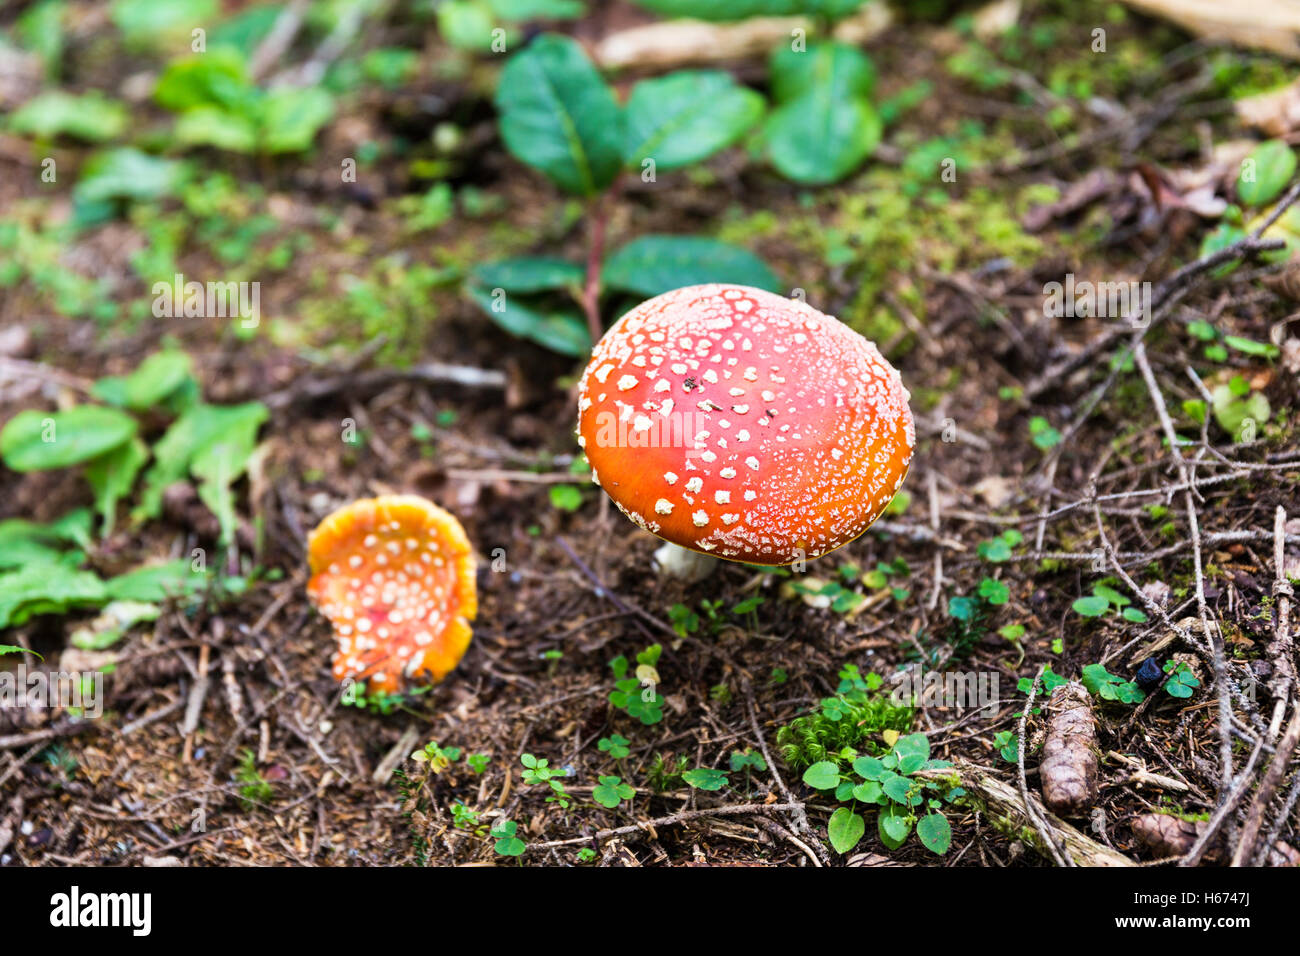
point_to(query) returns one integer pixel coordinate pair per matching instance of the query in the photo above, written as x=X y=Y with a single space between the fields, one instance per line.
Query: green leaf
x=686 y=116
x=158 y=22
x=1232 y=411
x=832 y=66
x=221 y=461
x=823 y=775
x=825 y=126
x=42 y=441
x=705 y=778
x=1251 y=347
x=1091 y=606
x=531 y=274
x=845 y=829
x=560 y=331
x=217 y=78
x=91 y=117
x=126 y=173
x=558 y=115
x=869 y=768
x=218 y=128
x=566 y=497
x=289 y=118
x=1265 y=172
x=468 y=25
x=157 y=377
x=198 y=428
x=46 y=589
x=934 y=832
x=111 y=477
x=15 y=649
x=897 y=788
x=893 y=825
x=913 y=751
x=654 y=264
x=155 y=583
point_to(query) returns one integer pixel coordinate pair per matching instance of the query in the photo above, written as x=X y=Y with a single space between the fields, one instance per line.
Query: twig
x=683 y=816
x=1040 y=824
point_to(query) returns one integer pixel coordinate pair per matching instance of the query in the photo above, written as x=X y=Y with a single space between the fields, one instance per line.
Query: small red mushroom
x=740 y=424
x=395 y=576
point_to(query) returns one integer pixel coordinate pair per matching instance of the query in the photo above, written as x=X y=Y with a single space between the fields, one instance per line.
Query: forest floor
x=1043 y=469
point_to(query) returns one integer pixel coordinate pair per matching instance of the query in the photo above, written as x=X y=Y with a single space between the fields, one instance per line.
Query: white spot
x=752 y=462
x=663 y=506
x=695 y=484
x=670 y=478
x=722 y=497
x=626 y=382
x=701 y=518
x=602 y=373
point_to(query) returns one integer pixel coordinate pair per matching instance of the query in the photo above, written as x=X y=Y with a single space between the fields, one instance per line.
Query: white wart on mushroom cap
x=745 y=425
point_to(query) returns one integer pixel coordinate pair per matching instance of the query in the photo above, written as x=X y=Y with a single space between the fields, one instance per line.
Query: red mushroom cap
x=395 y=576
x=744 y=425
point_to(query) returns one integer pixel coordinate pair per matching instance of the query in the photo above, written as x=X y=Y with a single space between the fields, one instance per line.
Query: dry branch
x=1003 y=807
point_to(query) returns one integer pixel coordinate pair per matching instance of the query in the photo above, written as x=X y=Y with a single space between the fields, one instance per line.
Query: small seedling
x=1102 y=599
x=614 y=745
x=611 y=791
x=507 y=844
x=1182 y=682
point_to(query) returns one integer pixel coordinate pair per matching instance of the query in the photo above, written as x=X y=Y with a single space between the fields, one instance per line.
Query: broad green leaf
x=111 y=477
x=537 y=9
x=155 y=23
x=41 y=30
x=24 y=542
x=893 y=826
x=157 y=377
x=1232 y=411
x=913 y=751
x=220 y=462
x=46 y=589
x=560 y=331
x=289 y=118
x=559 y=115
x=1091 y=606
x=654 y=264
x=245 y=30
x=216 y=127
x=896 y=788
x=91 y=117
x=1265 y=172
x=126 y=173
x=15 y=649
x=197 y=428
x=934 y=832
x=705 y=778
x=819 y=138
x=844 y=69
x=467 y=25
x=825 y=126
x=845 y=829
x=823 y=775
x=529 y=274
x=868 y=768
x=686 y=116
x=42 y=441
x=217 y=78
x=154 y=583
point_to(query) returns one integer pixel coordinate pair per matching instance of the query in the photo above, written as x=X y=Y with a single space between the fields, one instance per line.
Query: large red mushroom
x=740 y=424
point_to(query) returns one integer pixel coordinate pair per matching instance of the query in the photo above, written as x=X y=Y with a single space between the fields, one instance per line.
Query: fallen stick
x=1004 y=808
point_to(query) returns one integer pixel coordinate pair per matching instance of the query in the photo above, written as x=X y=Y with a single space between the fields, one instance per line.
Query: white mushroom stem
x=678 y=562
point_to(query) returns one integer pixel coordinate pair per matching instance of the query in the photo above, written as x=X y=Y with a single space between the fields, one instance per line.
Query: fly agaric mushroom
x=739 y=424
x=395 y=576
